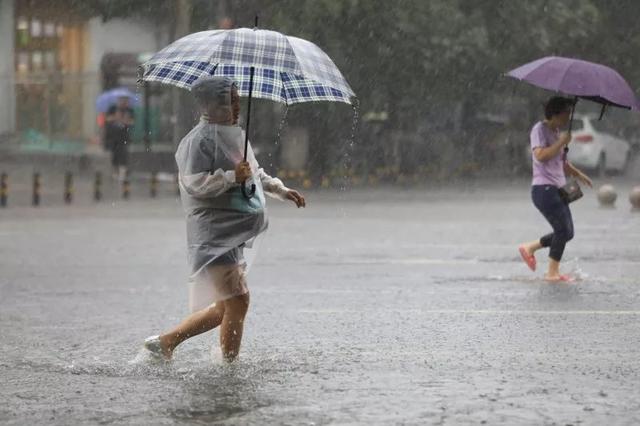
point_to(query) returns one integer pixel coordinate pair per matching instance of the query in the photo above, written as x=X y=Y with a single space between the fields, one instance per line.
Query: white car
x=594 y=148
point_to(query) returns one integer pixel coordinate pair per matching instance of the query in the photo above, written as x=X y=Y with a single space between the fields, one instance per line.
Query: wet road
x=376 y=307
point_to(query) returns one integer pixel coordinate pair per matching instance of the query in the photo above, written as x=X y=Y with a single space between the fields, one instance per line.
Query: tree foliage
x=425 y=63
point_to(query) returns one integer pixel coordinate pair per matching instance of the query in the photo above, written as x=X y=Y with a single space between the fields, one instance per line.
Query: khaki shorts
x=215 y=283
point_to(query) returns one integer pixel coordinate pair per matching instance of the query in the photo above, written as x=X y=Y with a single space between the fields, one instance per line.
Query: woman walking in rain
x=550 y=167
x=222 y=224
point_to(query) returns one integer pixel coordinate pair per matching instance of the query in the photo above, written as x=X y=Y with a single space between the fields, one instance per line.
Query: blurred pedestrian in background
x=119 y=121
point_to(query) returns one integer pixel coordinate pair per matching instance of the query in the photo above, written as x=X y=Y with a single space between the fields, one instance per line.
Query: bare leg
x=532 y=246
x=196 y=323
x=554 y=270
x=233 y=325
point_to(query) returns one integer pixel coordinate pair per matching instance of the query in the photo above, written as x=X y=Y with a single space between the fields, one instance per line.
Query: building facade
x=7 y=85
x=57 y=69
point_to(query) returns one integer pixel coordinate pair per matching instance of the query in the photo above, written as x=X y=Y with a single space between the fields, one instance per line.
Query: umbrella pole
x=248 y=193
x=573 y=108
x=604 y=107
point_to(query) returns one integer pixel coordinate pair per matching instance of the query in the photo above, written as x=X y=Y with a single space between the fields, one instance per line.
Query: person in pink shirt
x=550 y=168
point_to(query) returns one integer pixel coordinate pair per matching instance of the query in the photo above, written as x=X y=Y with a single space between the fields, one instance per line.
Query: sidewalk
x=83 y=159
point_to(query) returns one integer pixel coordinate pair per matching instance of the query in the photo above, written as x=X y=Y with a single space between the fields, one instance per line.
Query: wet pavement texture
x=368 y=307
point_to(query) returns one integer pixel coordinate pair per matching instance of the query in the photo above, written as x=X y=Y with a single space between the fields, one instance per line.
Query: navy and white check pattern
x=287 y=69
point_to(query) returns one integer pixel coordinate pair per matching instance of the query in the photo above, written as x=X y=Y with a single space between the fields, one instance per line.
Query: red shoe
x=529 y=259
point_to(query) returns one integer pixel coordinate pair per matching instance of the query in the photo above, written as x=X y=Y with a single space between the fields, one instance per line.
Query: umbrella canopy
x=578 y=78
x=286 y=69
x=109 y=98
x=265 y=64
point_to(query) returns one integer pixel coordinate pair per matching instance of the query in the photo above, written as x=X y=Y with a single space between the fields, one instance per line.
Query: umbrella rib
x=564 y=75
x=593 y=96
x=302 y=71
x=284 y=89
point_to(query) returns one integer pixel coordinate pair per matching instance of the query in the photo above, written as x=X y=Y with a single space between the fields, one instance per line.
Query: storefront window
x=50 y=60
x=23 y=63
x=36 y=28
x=49 y=29
x=22 y=27
x=37 y=61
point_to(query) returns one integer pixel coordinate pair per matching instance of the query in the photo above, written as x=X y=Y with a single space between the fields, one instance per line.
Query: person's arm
x=110 y=116
x=543 y=154
x=128 y=117
x=208 y=185
x=272 y=186
x=572 y=170
x=275 y=188
x=199 y=182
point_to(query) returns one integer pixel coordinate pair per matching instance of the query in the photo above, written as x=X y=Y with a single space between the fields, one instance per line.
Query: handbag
x=571 y=192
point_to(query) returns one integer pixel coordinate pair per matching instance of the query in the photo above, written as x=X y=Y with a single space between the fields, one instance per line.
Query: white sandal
x=152 y=344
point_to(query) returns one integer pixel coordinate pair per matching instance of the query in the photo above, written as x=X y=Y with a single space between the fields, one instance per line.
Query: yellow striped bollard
x=97 y=187
x=4 y=190
x=153 y=189
x=68 y=188
x=126 y=186
x=35 y=199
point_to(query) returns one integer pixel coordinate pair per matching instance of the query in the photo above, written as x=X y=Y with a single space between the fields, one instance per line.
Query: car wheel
x=601 y=168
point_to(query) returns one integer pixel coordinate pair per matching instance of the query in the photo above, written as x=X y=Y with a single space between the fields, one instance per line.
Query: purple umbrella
x=580 y=79
x=110 y=98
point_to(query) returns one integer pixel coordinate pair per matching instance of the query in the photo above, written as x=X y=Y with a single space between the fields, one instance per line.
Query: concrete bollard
x=68 y=188
x=97 y=187
x=607 y=196
x=37 y=187
x=126 y=186
x=634 y=198
x=153 y=190
x=4 y=189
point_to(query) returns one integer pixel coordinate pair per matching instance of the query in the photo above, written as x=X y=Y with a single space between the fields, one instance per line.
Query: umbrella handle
x=248 y=193
x=573 y=108
x=246 y=130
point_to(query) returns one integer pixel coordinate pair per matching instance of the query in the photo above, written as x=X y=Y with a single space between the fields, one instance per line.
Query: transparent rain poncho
x=222 y=224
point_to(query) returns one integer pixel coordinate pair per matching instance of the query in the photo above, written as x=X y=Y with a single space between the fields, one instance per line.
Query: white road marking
x=473 y=312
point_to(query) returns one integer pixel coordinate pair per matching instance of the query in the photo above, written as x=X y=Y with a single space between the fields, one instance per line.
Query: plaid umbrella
x=265 y=64
x=287 y=69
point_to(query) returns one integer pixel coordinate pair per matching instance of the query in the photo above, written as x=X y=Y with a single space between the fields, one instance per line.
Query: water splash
x=347 y=164
x=576 y=271
x=276 y=143
x=144 y=357
x=347 y=170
